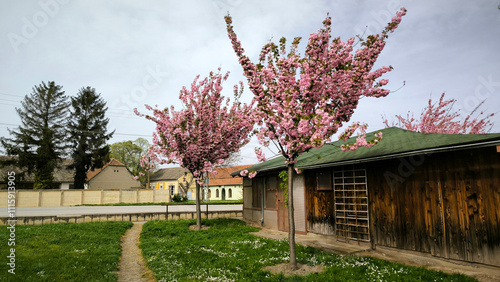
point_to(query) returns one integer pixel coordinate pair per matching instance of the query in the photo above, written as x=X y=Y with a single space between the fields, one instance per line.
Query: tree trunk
x=198 y=208
x=80 y=177
x=291 y=219
x=149 y=185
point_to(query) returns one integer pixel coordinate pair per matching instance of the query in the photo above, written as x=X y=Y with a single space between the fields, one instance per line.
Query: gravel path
x=132 y=266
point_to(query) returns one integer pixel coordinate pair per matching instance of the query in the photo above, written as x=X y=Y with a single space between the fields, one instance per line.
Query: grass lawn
x=226 y=252
x=64 y=252
x=190 y=202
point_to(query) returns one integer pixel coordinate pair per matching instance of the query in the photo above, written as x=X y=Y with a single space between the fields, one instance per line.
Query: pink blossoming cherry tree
x=440 y=117
x=302 y=101
x=204 y=133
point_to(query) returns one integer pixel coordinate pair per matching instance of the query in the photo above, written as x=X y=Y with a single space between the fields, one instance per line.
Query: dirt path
x=132 y=266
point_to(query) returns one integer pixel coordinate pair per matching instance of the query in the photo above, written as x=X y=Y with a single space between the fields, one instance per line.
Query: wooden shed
x=431 y=193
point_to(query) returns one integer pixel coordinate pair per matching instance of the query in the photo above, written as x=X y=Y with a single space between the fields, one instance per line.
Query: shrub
x=179 y=198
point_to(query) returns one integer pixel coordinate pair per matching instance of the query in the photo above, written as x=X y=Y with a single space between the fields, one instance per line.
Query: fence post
x=39 y=198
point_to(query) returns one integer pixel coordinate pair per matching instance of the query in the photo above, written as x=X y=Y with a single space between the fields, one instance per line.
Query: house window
x=324 y=179
x=230 y=193
x=271 y=192
x=210 y=193
x=216 y=193
x=171 y=187
x=161 y=186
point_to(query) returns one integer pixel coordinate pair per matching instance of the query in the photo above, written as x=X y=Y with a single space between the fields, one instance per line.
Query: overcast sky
x=143 y=52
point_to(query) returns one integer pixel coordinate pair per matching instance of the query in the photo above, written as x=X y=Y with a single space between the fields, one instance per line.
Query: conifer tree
x=87 y=129
x=40 y=140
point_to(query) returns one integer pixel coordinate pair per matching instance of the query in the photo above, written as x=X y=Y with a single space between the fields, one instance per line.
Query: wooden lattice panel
x=351 y=205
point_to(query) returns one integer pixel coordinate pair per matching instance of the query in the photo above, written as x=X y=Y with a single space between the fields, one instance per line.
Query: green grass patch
x=227 y=252
x=190 y=202
x=64 y=252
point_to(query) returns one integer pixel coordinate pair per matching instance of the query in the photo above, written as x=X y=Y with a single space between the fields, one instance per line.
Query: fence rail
x=39 y=220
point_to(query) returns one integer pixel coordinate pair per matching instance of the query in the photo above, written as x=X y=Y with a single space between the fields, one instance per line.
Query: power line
x=2 y=123
x=116 y=133
x=10 y=100
x=129 y=134
x=12 y=105
x=3 y=93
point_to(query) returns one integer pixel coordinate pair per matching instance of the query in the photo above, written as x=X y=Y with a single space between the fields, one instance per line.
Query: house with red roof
x=222 y=186
x=112 y=176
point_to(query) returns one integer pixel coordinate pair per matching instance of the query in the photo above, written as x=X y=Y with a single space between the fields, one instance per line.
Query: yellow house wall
x=192 y=188
x=165 y=184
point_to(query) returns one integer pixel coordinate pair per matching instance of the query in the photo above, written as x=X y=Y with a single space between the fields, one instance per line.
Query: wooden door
x=282 y=212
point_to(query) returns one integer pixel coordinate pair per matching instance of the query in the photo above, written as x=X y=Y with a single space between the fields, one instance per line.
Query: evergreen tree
x=40 y=141
x=88 y=133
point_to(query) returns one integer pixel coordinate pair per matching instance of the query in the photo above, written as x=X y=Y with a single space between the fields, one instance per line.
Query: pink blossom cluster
x=260 y=154
x=360 y=140
x=146 y=161
x=205 y=132
x=441 y=118
x=302 y=101
x=250 y=174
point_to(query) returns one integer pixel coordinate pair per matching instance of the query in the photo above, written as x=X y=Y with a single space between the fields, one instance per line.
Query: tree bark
x=149 y=185
x=198 y=208
x=291 y=219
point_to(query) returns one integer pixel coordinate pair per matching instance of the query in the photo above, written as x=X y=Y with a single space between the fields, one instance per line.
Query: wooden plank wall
x=446 y=204
x=320 y=207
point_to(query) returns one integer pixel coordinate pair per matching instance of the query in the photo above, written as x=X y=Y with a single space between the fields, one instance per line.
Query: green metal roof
x=396 y=142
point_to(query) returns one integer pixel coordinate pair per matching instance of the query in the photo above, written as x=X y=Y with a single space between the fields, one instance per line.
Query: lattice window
x=351 y=204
